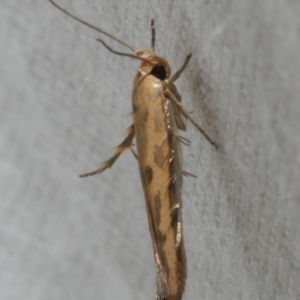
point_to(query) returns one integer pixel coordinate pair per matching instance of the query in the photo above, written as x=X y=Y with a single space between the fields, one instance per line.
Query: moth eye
x=159 y=72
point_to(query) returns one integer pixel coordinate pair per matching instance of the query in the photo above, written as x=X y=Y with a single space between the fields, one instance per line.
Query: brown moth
x=157 y=115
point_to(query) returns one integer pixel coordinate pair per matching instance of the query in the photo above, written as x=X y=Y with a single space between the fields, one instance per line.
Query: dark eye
x=159 y=72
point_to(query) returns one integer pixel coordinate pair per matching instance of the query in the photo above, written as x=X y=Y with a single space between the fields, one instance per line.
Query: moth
x=158 y=115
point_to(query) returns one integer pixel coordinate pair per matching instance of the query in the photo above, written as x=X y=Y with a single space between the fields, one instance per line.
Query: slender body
x=160 y=169
x=157 y=115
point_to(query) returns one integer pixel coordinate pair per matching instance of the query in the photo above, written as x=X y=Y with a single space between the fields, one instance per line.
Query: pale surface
x=64 y=102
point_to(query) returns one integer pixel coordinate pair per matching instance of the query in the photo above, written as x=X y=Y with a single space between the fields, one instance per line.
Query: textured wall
x=64 y=102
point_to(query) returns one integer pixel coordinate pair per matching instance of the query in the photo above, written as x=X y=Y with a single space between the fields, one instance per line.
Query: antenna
x=93 y=26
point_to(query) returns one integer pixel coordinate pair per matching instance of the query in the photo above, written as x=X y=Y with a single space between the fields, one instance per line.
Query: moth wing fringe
x=183 y=140
x=187 y=174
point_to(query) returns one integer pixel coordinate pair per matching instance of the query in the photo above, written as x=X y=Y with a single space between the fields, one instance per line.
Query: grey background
x=64 y=102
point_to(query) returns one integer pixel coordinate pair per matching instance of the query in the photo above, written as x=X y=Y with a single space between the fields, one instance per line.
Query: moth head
x=153 y=64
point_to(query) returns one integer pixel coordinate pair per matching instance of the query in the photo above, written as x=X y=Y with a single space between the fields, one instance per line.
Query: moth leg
x=119 y=150
x=180 y=121
x=186 y=114
x=178 y=73
x=134 y=153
